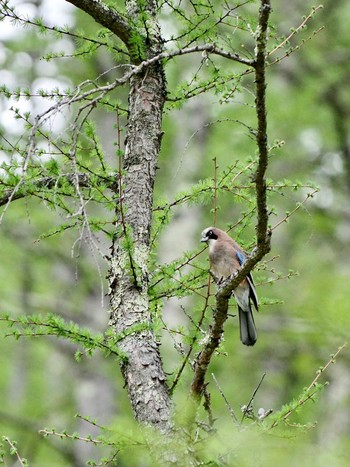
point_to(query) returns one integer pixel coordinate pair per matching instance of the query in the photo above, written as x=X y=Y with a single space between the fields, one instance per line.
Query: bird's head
x=210 y=234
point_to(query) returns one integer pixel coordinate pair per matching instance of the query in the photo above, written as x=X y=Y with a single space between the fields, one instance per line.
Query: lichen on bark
x=142 y=369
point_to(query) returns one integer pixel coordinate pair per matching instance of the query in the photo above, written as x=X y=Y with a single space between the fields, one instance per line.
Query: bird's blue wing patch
x=240 y=257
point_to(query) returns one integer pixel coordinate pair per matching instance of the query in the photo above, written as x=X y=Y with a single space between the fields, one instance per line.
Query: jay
x=226 y=258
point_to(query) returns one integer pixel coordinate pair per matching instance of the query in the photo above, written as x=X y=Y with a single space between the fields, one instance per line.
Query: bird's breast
x=221 y=264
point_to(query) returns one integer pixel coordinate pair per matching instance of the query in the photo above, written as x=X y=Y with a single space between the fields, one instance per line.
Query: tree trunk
x=130 y=313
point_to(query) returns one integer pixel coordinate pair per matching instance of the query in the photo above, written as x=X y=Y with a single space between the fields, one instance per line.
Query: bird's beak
x=204 y=239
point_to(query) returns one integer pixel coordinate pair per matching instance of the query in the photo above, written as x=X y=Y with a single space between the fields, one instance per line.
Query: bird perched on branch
x=226 y=258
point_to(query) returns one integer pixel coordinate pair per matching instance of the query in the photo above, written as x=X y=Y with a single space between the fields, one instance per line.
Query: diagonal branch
x=79 y=96
x=107 y=17
x=263 y=233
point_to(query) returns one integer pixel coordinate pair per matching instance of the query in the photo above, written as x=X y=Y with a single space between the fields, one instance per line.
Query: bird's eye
x=210 y=233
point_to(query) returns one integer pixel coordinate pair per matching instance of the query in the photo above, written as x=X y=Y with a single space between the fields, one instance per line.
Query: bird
x=226 y=258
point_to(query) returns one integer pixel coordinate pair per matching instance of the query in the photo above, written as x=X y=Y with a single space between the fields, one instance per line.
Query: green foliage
x=53 y=325
x=13 y=451
x=252 y=436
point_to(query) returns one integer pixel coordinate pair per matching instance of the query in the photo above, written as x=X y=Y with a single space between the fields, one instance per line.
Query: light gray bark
x=130 y=313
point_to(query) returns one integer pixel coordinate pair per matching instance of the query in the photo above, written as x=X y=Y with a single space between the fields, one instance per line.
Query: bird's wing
x=241 y=258
x=253 y=294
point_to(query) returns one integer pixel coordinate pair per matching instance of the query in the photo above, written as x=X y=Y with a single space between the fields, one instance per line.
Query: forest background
x=53 y=263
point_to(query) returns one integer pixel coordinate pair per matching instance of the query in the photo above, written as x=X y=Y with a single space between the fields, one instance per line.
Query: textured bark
x=142 y=370
x=261 y=137
x=105 y=16
x=130 y=313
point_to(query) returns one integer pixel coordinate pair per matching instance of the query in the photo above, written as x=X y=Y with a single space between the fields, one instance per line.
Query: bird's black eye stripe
x=212 y=235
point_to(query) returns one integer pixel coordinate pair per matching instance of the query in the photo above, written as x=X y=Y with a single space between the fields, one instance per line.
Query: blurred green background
x=303 y=318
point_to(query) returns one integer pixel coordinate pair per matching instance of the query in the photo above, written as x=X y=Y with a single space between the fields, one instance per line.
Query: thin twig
x=296 y=30
x=298 y=206
x=246 y=410
x=194 y=339
x=52 y=183
x=307 y=395
x=323 y=369
x=228 y=405
x=76 y=437
x=14 y=450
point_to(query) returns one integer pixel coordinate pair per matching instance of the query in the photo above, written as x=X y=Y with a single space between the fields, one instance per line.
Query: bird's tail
x=247 y=327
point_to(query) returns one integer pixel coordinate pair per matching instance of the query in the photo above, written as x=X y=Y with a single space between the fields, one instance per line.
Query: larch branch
x=83 y=180
x=263 y=233
x=107 y=17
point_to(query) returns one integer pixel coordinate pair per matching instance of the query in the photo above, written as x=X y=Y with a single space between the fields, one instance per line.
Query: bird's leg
x=221 y=280
x=217 y=280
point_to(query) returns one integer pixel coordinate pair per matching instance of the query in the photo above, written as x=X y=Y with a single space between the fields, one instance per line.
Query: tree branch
x=263 y=233
x=78 y=95
x=261 y=137
x=83 y=180
x=107 y=17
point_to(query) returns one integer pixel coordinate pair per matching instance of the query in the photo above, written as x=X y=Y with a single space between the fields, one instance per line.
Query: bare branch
x=250 y=403
x=228 y=405
x=208 y=48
